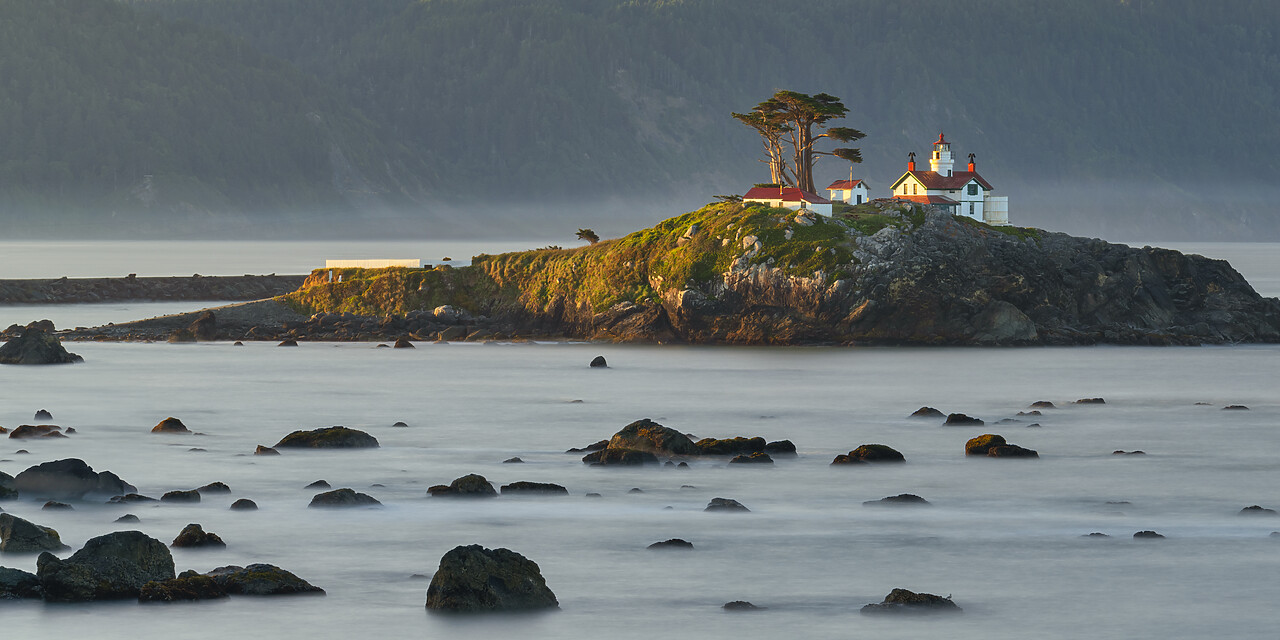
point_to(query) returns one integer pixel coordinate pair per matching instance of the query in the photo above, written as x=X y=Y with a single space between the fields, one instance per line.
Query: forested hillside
x=1130 y=119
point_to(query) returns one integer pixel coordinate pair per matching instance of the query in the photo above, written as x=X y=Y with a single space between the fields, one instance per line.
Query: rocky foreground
x=888 y=273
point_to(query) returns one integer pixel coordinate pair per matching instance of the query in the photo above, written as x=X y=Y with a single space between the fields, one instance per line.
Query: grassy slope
x=635 y=268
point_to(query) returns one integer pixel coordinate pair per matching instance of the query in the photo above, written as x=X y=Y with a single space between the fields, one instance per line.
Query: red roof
x=935 y=180
x=844 y=184
x=928 y=199
x=788 y=194
x=941 y=139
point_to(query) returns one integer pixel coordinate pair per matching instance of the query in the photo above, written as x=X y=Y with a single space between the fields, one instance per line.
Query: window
x=970 y=209
x=973 y=189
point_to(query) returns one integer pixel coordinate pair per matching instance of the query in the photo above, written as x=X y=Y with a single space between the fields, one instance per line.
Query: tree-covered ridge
x=108 y=108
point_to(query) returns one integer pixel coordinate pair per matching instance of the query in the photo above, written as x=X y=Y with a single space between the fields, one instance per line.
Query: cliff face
x=889 y=273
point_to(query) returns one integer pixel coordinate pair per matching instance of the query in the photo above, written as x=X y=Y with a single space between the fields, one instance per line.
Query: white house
x=414 y=263
x=849 y=191
x=965 y=192
x=789 y=197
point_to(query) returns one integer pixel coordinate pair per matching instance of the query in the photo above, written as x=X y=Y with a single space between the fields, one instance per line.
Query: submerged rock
x=69 y=479
x=515 y=460
x=261 y=579
x=758 y=457
x=194 y=536
x=674 y=543
x=108 y=567
x=870 y=453
x=403 y=343
x=927 y=412
x=900 y=499
x=725 y=504
x=620 y=457
x=599 y=361
x=127 y=518
x=343 y=498
x=543 y=488
x=265 y=451
x=187 y=587
x=473 y=579
x=129 y=498
x=328 y=438
x=472 y=485
x=1257 y=510
x=1090 y=401
x=962 y=420
x=189 y=495
x=741 y=605
x=54 y=505
x=731 y=446
x=902 y=601
x=43 y=415
x=37 y=431
x=244 y=504
x=1147 y=535
x=319 y=484
x=214 y=487
x=36 y=345
x=1041 y=404
x=20 y=536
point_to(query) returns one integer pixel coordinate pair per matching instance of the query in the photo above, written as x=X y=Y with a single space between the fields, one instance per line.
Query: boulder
x=472 y=485
x=902 y=601
x=170 y=425
x=599 y=362
x=403 y=343
x=189 y=495
x=20 y=536
x=1147 y=535
x=900 y=499
x=1235 y=407
x=319 y=484
x=730 y=446
x=265 y=451
x=54 y=505
x=725 y=504
x=980 y=445
x=328 y=438
x=962 y=420
x=343 y=498
x=260 y=580
x=647 y=435
x=288 y=343
x=127 y=518
x=540 y=488
x=194 y=536
x=927 y=412
x=15 y=584
x=674 y=543
x=43 y=415
x=1041 y=404
x=108 y=567
x=205 y=327
x=36 y=345
x=473 y=579
x=619 y=457
x=214 y=487
x=591 y=447
x=400 y=423
x=758 y=457
x=1257 y=510
x=69 y=479
x=1090 y=401
x=186 y=587
x=36 y=431
x=515 y=460
x=780 y=448
x=244 y=504
x=741 y=605
x=870 y=453
x=1011 y=451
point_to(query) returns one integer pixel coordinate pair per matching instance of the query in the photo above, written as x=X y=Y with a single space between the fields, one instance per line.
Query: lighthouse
x=963 y=193
x=941 y=162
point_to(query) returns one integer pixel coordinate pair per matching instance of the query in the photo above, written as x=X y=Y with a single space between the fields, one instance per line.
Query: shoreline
x=157 y=289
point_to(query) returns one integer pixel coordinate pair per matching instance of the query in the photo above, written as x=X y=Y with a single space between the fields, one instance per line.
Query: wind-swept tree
x=799 y=121
x=588 y=235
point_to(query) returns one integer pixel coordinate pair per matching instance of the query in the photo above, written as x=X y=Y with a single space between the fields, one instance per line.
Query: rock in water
x=870 y=453
x=194 y=536
x=1257 y=510
x=265 y=451
x=170 y=425
x=904 y=601
x=214 y=487
x=18 y=584
x=620 y=457
x=599 y=361
x=403 y=343
x=109 y=567
x=188 y=586
x=472 y=485
x=261 y=580
x=900 y=499
x=343 y=498
x=36 y=345
x=473 y=579
x=758 y=457
x=539 y=488
x=741 y=605
x=927 y=412
x=980 y=445
x=188 y=495
x=647 y=435
x=244 y=504
x=725 y=504
x=962 y=420
x=69 y=479
x=36 y=431
x=43 y=416
x=288 y=343
x=328 y=438
x=674 y=543
x=20 y=536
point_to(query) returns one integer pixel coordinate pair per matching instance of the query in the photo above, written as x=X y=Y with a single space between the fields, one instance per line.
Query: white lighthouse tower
x=941 y=162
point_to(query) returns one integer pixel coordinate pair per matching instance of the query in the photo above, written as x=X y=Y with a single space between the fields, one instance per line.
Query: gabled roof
x=935 y=180
x=844 y=184
x=943 y=200
x=788 y=194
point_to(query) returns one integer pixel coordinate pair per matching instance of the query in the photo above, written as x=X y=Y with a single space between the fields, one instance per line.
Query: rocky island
x=887 y=272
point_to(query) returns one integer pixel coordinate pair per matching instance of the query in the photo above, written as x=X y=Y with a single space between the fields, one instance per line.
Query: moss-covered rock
x=69 y=479
x=261 y=579
x=473 y=579
x=36 y=431
x=170 y=425
x=647 y=435
x=328 y=438
x=20 y=536
x=109 y=567
x=187 y=587
x=980 y=445
x=36 y=345
x=731 y=446
x=193 y=536
x=472 y=485
x=619 y=457
x=870 y=453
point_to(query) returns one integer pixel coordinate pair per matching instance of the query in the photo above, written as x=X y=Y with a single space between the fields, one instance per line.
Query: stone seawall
x=196 y=287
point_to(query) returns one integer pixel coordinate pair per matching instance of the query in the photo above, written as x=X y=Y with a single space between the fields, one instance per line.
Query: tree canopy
x=791 y=124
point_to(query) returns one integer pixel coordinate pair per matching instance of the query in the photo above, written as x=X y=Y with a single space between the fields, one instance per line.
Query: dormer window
x=973 y=189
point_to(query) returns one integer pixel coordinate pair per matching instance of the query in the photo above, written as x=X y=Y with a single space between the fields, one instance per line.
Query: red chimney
x=971 y=163
x=911 y=161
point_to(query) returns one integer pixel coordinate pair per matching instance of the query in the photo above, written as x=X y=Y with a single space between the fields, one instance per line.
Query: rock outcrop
x=69 y=479
x=902 y=601
x=261 y=579
x=649 y=436
x=36 y=344
x=109 y=567
x=473 y=579
x=472 y=485
x=343 y=498
x=328 y=438
x=870 y=453
x=20 y=536
x=193 y=536
x=16 y=584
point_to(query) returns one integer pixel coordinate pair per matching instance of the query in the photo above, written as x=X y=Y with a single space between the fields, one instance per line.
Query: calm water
x=1002 y=536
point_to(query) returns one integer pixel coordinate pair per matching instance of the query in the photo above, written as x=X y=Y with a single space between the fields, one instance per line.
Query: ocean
x=1003 y=537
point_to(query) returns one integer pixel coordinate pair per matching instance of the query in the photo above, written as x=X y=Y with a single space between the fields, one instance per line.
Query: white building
x=965 y=192
x=789 y=197
x=373 y=264
x=849 y=191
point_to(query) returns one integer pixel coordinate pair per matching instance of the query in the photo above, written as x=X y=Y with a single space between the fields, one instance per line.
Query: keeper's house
x=789 y=197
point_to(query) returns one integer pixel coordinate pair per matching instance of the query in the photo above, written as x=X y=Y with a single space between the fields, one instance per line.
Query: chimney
x=911 y=161
x=971 y=163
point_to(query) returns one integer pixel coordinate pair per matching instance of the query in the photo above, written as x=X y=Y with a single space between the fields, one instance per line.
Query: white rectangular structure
x=372 y=264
